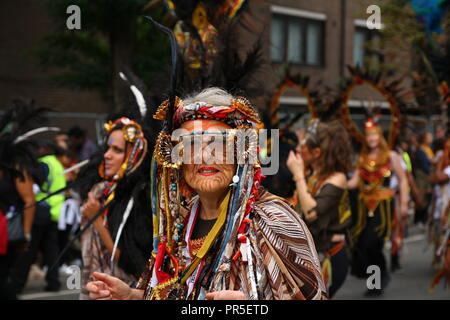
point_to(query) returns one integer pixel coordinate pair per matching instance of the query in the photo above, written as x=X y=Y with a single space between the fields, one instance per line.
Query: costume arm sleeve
x=327 y=201
x=290 y=256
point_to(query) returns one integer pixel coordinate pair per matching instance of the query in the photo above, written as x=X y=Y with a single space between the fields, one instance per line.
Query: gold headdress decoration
x=169 y=220
x=240 y=114
x=133 y=134
x=300 y=83
x=389 y=91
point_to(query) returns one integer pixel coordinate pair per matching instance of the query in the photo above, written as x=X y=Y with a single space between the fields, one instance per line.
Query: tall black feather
x=173 y=73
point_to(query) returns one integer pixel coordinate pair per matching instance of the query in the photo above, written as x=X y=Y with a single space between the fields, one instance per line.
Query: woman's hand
x=91 y=207
x=107 y=287
x=296 y=165
x=226 y=295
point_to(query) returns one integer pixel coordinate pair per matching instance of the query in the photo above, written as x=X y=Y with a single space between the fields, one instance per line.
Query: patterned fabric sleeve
x=289 y=255
x=146 y=276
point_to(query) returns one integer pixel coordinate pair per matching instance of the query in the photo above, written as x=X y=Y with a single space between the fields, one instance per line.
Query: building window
x=366 y=48
x=277 y=40
x=297 y=40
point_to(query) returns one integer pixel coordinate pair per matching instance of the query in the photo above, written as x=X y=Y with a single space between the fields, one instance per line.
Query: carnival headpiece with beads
x=372 y=121
x=171 y=270
x=240 y=114
x=134 y=136
x=169 y=221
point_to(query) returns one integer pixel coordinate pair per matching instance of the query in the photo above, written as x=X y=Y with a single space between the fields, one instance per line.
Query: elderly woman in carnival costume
x=117 y=242
x=236 y=241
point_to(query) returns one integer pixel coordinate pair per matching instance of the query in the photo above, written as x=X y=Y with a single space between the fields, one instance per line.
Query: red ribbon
x=161 y=275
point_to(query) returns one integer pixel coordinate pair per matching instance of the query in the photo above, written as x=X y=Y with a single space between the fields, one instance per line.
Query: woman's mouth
x=207 y=171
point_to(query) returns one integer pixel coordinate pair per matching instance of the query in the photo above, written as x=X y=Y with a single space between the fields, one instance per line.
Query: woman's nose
x=107 y=155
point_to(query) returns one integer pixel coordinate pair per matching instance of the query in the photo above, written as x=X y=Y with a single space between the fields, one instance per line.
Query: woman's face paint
x=203 y=177
x=115 y=154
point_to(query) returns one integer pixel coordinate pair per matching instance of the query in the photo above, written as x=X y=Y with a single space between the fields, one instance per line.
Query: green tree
x=409 y=35
x=113 y=37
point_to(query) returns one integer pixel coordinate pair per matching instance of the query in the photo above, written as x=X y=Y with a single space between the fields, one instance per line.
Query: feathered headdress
x=171 y=268
x=389 y=90
x=17 y=126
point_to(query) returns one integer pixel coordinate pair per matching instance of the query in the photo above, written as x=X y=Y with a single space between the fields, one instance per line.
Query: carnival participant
x=399 y=224
x=326 y=153
x=424 y=164
x=237 y=241
x=374 y=218
x=19 y=170
x=441 y=215
x=45 y=228
x=119 y=240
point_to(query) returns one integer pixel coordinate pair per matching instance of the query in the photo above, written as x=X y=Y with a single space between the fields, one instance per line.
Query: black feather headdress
x=18 y=153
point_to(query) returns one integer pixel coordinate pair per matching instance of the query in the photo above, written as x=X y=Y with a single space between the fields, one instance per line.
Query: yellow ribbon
x=212 y=235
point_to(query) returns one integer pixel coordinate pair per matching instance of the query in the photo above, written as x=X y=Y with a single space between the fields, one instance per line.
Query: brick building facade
x=317 y=37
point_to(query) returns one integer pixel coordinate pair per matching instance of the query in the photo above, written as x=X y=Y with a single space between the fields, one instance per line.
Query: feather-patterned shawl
x=286 y=265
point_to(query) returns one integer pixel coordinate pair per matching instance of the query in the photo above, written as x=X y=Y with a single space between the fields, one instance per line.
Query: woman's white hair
x=214 y=96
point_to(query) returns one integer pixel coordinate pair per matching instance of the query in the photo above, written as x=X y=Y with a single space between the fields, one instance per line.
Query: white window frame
x=290 y=100
x=367 y=103
x=298 y=13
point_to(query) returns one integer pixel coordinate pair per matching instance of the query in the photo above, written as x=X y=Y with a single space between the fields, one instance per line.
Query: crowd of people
x=358 y=206
x=40 y=213
x=155 y=228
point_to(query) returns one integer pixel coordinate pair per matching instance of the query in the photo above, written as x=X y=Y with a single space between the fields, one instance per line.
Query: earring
x=235 y=177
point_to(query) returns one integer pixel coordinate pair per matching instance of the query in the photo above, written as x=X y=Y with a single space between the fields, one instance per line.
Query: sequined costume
x=373 y=223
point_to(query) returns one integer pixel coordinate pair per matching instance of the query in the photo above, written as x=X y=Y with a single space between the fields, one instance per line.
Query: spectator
x=424 y=158
x=439 y=137
x=19 y=169
x=45 y=232
x=81 y=145
x=62 y=140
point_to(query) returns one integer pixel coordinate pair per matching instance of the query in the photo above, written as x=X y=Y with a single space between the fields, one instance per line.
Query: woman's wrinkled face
x=204 y=177
x=115 y=155
x=372 y=139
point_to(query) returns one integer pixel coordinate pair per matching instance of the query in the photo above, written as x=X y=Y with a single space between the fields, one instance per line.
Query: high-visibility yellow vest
x=55 y=181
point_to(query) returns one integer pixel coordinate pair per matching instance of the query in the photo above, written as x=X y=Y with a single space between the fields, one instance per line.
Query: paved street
x=412 y=282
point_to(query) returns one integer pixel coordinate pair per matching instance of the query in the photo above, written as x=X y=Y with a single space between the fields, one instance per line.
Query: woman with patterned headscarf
x=235 y=241
x=119 y=240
